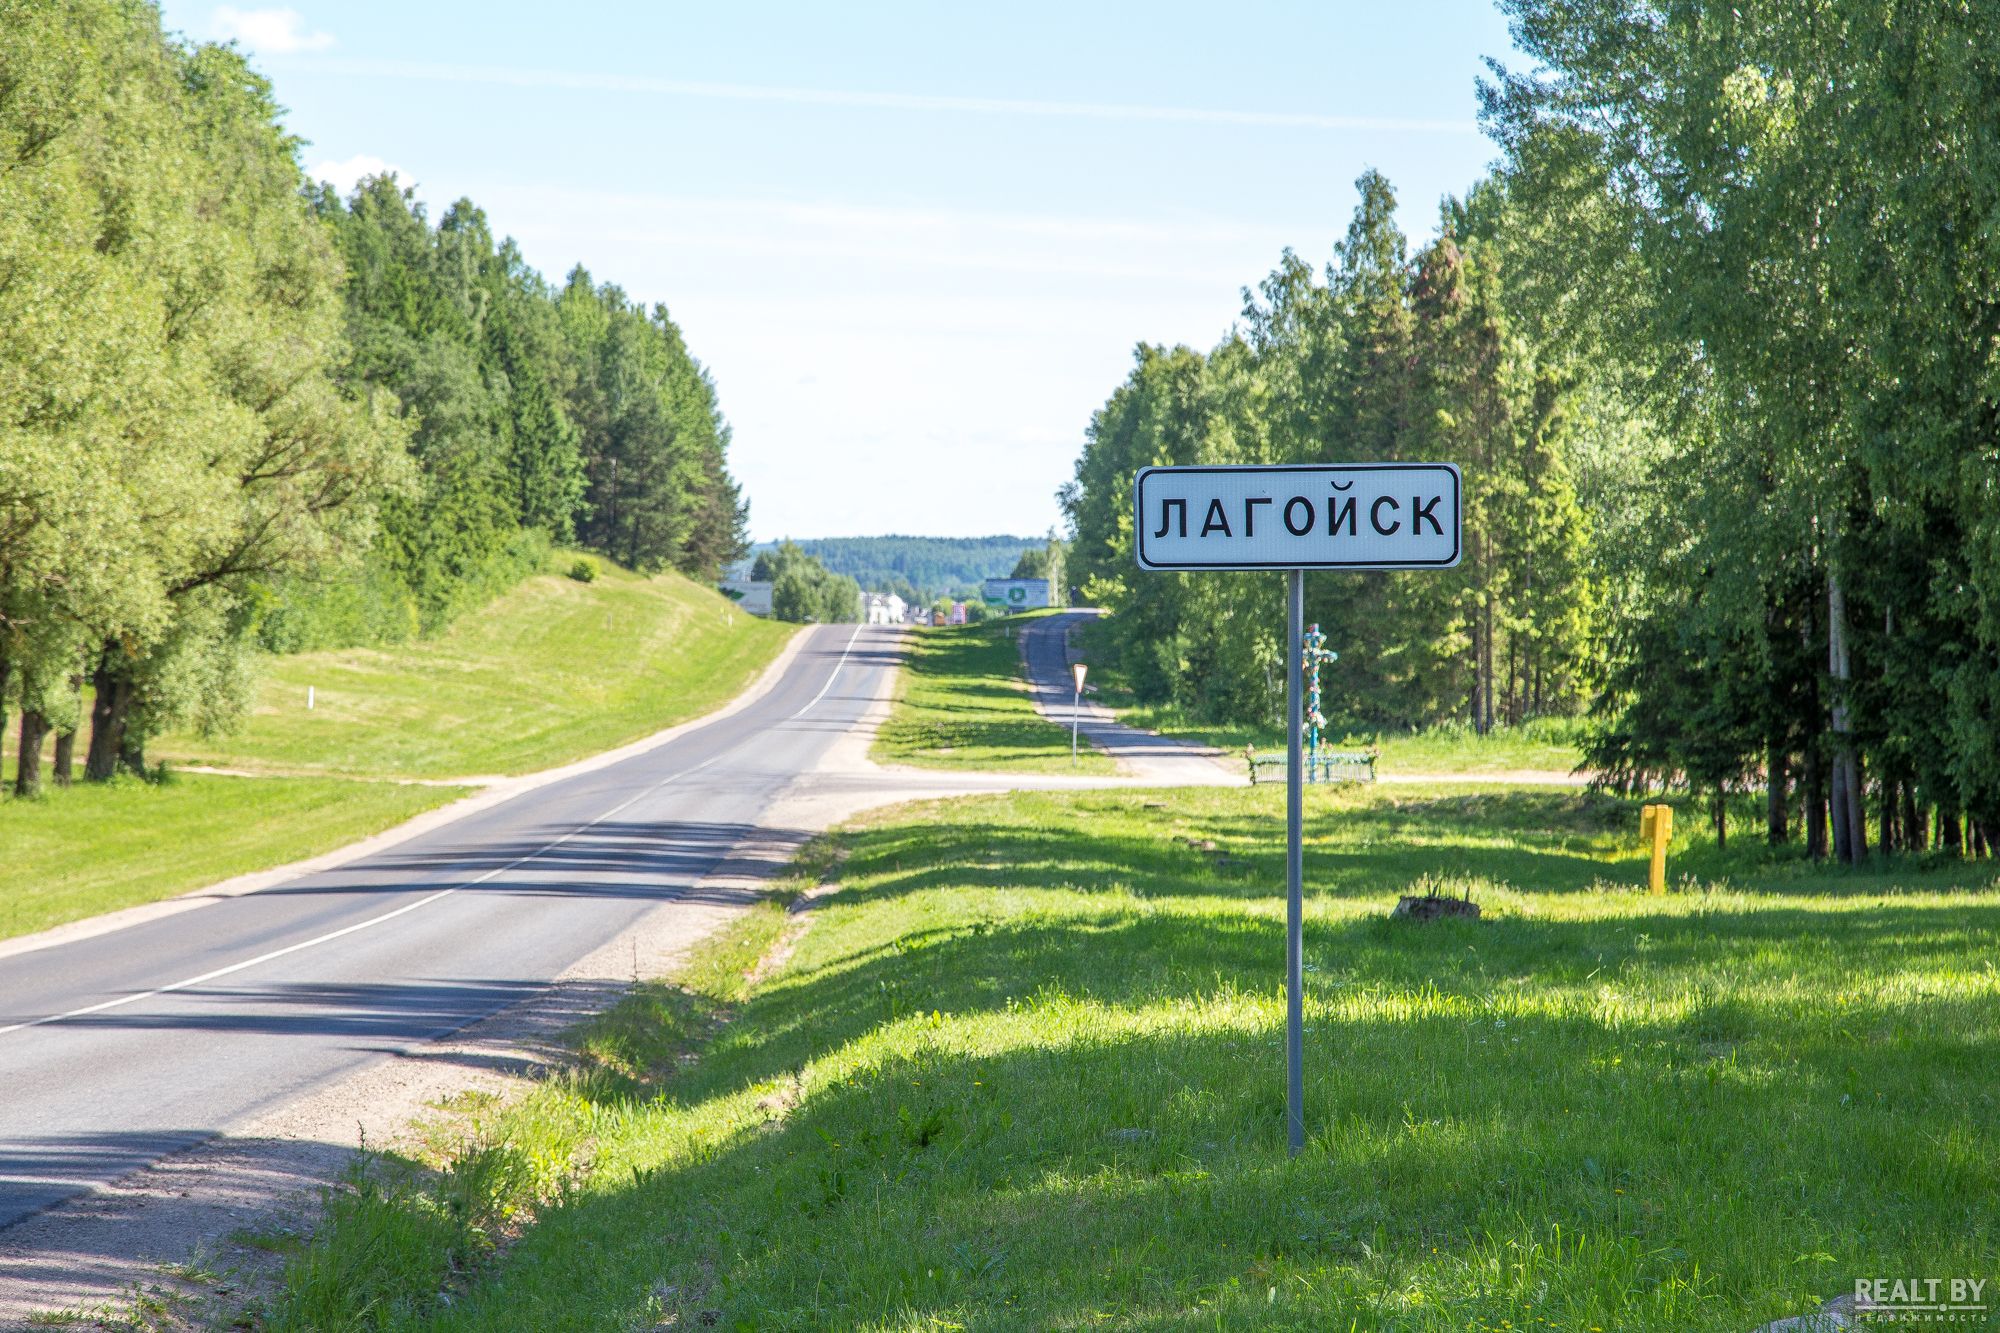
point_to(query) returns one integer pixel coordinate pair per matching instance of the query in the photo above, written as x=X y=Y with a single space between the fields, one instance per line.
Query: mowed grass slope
x=550 y=671
x=961 y=702
x=1024 y=1070
x=77 y=853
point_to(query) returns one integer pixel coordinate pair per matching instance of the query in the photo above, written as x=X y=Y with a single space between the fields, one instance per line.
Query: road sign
x=1299 y=516
x=1078 y=670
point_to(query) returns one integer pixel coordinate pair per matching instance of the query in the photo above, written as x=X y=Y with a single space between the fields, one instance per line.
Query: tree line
x=1383 y=356
x=1715 y=343
x=239 y=412
x=920 y=569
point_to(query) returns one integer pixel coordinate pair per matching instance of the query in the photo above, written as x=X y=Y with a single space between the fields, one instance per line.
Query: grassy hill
x=549 y=672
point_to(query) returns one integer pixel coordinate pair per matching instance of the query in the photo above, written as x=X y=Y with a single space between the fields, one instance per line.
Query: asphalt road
x=120 y=1049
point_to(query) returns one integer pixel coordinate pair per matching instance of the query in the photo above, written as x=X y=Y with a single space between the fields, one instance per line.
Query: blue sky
x=915 y=243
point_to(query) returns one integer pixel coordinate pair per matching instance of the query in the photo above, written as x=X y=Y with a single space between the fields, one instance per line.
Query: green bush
x=584 y=571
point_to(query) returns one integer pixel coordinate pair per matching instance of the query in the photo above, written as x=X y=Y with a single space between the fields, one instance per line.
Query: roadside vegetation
x=1023 y=1069
x=961 y=702
x=554 y=670
x=1544 y=746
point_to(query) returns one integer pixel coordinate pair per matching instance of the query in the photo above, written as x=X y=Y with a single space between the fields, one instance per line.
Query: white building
x=752 y=597
x=887 y=609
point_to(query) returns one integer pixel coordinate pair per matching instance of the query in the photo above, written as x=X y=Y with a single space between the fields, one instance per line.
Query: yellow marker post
x=1656 y=825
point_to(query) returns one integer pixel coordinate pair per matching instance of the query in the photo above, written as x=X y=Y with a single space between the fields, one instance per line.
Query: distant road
x=120 y=1049
x=1045 y=652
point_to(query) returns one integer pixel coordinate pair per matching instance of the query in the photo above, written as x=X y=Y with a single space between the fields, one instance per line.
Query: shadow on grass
x=1123 y=1164
x=1030 y=1115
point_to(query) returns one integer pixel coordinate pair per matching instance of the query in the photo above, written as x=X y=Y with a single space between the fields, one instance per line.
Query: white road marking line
x=332 y=935
x=831 y=678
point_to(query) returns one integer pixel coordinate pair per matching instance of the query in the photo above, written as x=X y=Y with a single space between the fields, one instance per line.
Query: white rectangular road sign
x=1299 y=516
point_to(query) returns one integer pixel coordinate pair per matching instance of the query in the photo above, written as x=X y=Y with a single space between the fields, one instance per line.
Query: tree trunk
x=28 y=762
x=1913 y=819
x=1777 y=777
x=1719 y=810
x=1812 y=810
x=1949 y=836
x=1891 y=803
x=1857 y=805
x=6 y=669
x=1836 y=804
x=65 y=760
x=1850 y=835
x=107 y=720
x=1486 y=648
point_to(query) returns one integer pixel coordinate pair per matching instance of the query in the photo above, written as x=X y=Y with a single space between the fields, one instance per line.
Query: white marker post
x=1078 y=670
x=1297 y=517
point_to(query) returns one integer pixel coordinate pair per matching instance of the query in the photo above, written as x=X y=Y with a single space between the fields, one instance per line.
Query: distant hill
x=920 y=569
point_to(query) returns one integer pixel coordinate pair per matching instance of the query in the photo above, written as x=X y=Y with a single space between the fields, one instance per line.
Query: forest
x=1714 y=343
x=921 y=569
x=239 y=413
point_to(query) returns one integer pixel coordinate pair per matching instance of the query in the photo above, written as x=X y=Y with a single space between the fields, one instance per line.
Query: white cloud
x=267 y=31
x=344 y=176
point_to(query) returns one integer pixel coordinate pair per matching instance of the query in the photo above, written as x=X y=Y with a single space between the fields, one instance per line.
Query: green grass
x=1024 y=1070
x=961 y=703
x=550 y=671
x=91 y=849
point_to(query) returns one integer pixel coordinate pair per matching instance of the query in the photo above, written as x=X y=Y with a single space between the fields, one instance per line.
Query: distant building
x=958 y=613
x=887 y=609
x=1016 y=594
x=752 y=596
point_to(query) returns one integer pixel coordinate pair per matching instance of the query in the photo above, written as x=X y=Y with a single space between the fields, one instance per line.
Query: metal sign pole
x=1075 y=710
x=1295 y=1007
x=1291 y=517
x=1077 y=670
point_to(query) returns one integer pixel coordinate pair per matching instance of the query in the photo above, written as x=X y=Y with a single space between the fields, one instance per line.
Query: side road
x=1046 y=654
